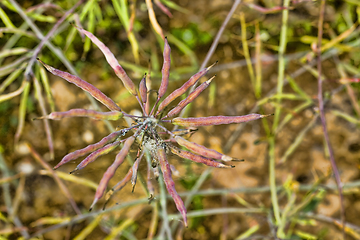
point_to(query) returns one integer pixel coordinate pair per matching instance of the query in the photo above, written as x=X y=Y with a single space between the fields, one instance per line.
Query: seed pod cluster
x=148 y=130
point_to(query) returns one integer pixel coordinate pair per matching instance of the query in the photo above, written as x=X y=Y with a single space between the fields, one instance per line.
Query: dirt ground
x=36 y=194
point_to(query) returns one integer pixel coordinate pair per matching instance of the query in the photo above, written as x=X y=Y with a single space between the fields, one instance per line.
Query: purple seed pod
x=216 y=120
x=192 y=96
x=143 y=89
x=93 y=147
x=113 y=62
x=165 y=71
x=78 y=112
x=197 y=158
x=169 y=183
x=94 y=155
x=201 y=150
x=180 y=91
x=111 y=170
x=96 y=93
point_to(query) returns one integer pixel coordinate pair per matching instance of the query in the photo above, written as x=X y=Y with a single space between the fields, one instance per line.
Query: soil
x=42 y=198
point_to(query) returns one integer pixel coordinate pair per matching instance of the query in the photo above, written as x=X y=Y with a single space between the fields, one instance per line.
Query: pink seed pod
x=149 y=184
x=118 y=186
x=216 y=120
x=94 y=155
x=197 y=158
x=180 y=91
x=169 y=183
x=113 y=62
x=96 y=93
x=111 y=170
x=165 y=71
x=78 y=112
x=93 y=147
x=134 y=172
x=201 y=150
x=143 y=89
x=192 y=96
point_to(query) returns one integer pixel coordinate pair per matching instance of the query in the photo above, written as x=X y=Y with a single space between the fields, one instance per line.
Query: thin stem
x=279 y=89
x=323 y=119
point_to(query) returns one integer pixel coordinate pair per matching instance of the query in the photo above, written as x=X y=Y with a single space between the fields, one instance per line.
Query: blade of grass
x=49 y=137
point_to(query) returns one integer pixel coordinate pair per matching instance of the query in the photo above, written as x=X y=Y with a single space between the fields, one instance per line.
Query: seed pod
x=94 y=155
x=180 y=91
x=149 y=185
x=201 y=150
x=216 y=120
x=169 y=183
x=165 y=71
x=189 y=98
x=118 y=187
x=93 y=147
x=143 y=89
x=135 y=171
x=111 y=170
x=197 y=158
x=78 y=112
x=96 y=93
x=113 y=62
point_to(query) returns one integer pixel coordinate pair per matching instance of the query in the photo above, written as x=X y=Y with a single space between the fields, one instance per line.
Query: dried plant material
x=148 y=129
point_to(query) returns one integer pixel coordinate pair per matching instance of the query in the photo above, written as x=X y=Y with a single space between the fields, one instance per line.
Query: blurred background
x=267 y=63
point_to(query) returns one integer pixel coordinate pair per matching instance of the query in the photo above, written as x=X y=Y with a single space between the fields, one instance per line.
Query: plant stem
x=323 y=119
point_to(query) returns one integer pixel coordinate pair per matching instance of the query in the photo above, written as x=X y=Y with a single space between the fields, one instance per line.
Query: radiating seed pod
x=93 y=147
x=149 y=184
x=180 y=91
x=143 y=89
x=96 y=93
x=135 y=171
x=111 y=170
x=113 y=62
x=216 y=120
x=94 y=155
x=201 y=150
x=120 y=185
x=192 y=96
x=165 y=71
x=169 y=183
x=197 y=158
x=78 y=112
